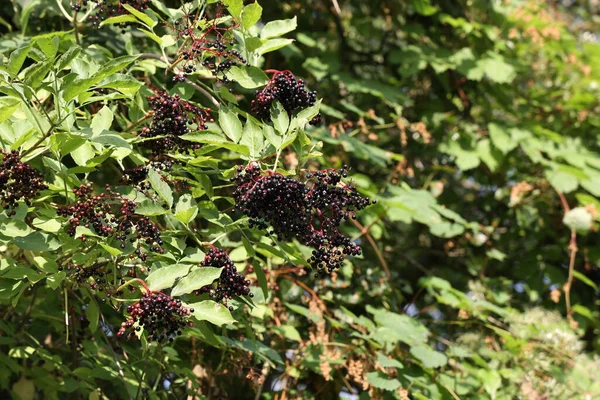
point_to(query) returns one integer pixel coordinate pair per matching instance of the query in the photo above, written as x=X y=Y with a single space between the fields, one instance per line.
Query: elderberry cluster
x=161 y=316
x=111 y=215
x=289 y=91
x=136 y=176
x=310 y=212
x=94 y=275
x=105 y=9
x=18 y=181
x=230 y=283
x=212 y=48
x=172 y=118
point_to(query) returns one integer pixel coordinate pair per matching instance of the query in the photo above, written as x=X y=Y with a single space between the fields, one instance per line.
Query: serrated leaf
x=248 y=77
x=196 y=279
x=149 y=208
x=8 y=105
x=140 y=15
x=165 y=277
x=380 y=380
x=37 y=241
x=251 y=15
x=429 y=357
x=102 y=121
x=208 y=310
x=500 y=138
x=273 y=44
x=271 y=136
x=277 y=28
x=120 y=19
x=280 y=117
x=186 y=209
x=230 y=123
x=92 y=314
x=563 y=181
x=111 y=250
x=161 y=187
x=388 y=362
x=253 y=139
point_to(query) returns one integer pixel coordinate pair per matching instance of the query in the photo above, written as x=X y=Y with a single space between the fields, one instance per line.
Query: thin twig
x=573 y=252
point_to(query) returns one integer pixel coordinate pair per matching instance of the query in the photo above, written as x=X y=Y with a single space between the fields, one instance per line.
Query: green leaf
x=271 y=136
x=140 y=15
x=161 y=187
x=186 y=209
x=277 y=28
x=234 y=7
x=289 y=332
x=149 y=208
x=248 y=77
x=251 y=15
x=165 y=277
x=102 y=121
x=424 y=7
x=15 y=228
x=208 y=310
x=37 y=241
x=92 y=314
x=429 y=357
x=410 y=330
x=17 y=58
x=380 y=380
x=500 y=138
x=230 y=123
x=120 y=19
x=388 y=362
x=196 y=279
x=8 y=105
x=280 y=117
x=253 y=138
x=273 y=44
x=562 y=181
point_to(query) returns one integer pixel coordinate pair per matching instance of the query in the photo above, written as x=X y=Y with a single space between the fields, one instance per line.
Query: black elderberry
x=105 y=9
x=289 y=91
x=230 y=283
x=110 y=215
x=161 y=316
x=18 y=181
x=171 y=118
x=310 y=212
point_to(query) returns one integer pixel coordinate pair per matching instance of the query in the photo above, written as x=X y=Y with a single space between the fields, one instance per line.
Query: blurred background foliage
x=475 y=124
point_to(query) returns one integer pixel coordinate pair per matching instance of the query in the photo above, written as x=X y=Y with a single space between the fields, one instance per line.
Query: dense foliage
x=299 y=200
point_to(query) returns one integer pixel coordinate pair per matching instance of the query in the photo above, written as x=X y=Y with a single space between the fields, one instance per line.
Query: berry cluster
x=310 y=212
x=289 y=91
x=136 y=176
x=111 y=215
x=94 y=275
x=212 y=47
x=161 y=316
x=172 y=118
x=230 y=283
x=18 y=180
x=105 y=9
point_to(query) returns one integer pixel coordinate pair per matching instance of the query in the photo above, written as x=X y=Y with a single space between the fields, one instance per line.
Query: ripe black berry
x=18 y=180
x=289 y=91
x=105 y=9
x=310 y=212
x=161 y=316
x=110 y=215
x=172 y=118
x=230 y=283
